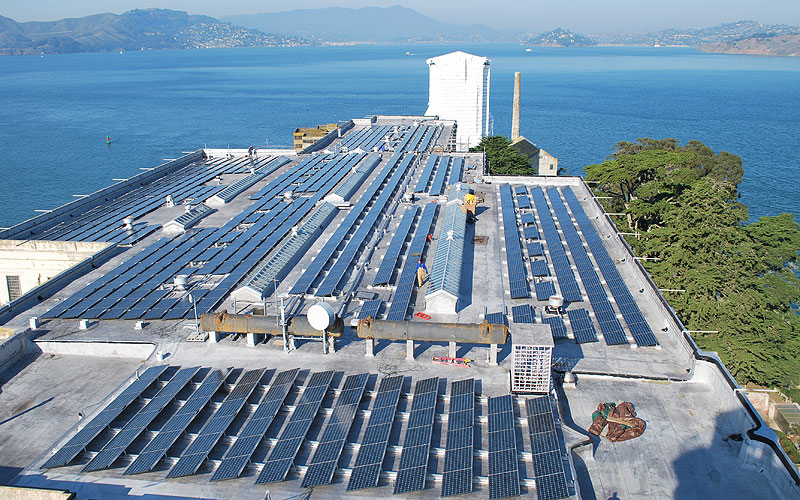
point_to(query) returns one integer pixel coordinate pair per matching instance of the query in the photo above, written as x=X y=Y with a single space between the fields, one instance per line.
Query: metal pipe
x=483 y=333
x=249 y=323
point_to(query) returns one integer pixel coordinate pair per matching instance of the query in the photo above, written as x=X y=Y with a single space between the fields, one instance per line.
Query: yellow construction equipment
x=468 y=206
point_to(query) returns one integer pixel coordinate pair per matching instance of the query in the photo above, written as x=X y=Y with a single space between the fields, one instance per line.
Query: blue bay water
x=56 y=111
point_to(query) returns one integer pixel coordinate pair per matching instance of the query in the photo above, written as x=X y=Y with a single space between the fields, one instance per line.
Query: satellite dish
x=321 y=315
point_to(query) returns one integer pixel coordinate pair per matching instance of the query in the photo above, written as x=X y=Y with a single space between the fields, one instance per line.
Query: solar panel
x=539 y=268
x=389 y=261
x=640 y=330
x=194 y=456
x=253 y=432
x=582 y=326
x=174 y=428
x=102 y=420
x=326 y=456
x=544 y=290
x=527 y=218
x=405 y=283
x=422 y=183
x=370 y=456
x=457 y=476
x=131 y=430
x=370 y=309
x=456 y=171
x=281 y=457
x=548 y=467
x=437 y=186
x=497 y=318
x=557 y=327
x=523 y=314
x=517 y=277
x=416 y=446
x=503 y=464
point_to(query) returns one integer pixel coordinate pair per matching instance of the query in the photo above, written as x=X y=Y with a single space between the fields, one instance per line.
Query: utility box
x=531 y=358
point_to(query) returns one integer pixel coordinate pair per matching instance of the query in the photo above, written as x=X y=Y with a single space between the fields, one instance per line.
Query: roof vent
x=128 y=223
x=180 y=282
x=170 y=201
x=451 y=234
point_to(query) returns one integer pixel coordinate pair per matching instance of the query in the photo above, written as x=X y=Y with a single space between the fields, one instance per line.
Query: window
x=14 y=289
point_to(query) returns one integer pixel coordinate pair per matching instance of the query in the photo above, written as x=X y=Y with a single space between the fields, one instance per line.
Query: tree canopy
x=504 y=160
x=739 y=279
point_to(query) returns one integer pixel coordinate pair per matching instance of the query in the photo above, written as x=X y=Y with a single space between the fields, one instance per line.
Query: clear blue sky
x=586 y=16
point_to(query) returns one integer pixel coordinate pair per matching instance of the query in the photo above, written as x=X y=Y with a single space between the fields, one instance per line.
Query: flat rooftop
x=346 y=222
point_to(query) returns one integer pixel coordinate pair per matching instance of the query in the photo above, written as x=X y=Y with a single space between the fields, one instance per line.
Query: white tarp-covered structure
x=459 y=90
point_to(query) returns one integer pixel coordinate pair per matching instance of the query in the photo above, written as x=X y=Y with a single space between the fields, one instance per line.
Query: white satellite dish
x=321 y=315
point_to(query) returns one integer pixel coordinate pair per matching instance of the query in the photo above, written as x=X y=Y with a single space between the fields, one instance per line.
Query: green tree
x=739 y=278
x=504 y=160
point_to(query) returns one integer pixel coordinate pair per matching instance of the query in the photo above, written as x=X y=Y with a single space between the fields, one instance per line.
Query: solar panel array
x=389 y=262
x=238 y=456
x=640 y=329
x=413 y=468
x=582 y=326
x=176 y=426
x=144 y=417
x=503 y=464
x=307 y=279
x=99 y=423
x=517 y=277
x=456 y=171
x=405 y=283
x=523 y=314
x=366 y=470
x=557 y=327
x=140 y=287
x=457 y=475
x=344 y=262
x=194 y=456
x=425 y=176
x=326 y=456
x=566 y=279
x=281 y=456
x=606 y=316
x=437 y=185
x=147 y=193
x=367 y=138
x=548 y=468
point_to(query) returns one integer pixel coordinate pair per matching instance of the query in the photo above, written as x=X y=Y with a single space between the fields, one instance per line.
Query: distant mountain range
x=169 y=29
x=369 y=24
x=722 y=33
x=758 y=45
x=133 y=30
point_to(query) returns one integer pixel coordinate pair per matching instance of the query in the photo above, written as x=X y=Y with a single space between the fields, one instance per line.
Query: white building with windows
x=459 y=90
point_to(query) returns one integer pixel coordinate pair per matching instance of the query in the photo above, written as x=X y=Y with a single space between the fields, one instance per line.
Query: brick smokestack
x=515 y=116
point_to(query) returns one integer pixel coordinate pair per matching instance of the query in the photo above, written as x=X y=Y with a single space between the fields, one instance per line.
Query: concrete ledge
x=12 y=348
x=20 y=493
x=140 y=350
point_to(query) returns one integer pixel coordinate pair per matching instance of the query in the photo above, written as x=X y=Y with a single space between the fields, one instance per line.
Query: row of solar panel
x=558 y=257
x=517 y=276
x=390 y=258
x=405 y=283
x=613 y=333
x=640 y=329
